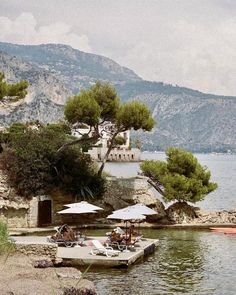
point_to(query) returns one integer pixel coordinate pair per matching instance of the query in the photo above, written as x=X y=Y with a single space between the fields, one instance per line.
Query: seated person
x=133 y=232
x=64 y=233
x=69 y=235
x=115 y=237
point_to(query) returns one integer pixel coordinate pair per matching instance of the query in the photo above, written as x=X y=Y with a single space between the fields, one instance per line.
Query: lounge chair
x=64 y=236
x=114 y=244
x=100 y=249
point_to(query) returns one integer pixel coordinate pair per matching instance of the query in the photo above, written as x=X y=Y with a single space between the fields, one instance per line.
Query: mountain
x=75 y=68
x=46 y=94
x=185 y=118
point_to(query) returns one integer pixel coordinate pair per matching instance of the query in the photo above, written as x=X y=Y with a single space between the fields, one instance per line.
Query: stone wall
x=39 y=250
x=13 y=208
x=120 y=192
x=123 y=192
x=20 y=212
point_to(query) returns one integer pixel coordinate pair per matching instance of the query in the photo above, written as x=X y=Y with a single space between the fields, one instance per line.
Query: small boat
x=225 y=230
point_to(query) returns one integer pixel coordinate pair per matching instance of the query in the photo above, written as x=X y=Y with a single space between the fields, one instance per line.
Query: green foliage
x=59 y=128
x=77 y=174
x=180 y=178
x=100 y=103
x=13 y=92
x=17 y=128
x=135 y=115
x=106 y=97
x=119 y=140
x=5 y=244
x=34 y=165
x=82 y=108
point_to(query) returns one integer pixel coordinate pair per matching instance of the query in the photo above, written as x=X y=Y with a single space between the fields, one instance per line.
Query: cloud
x=191 y=43
x=188 y=54
x=24 y=30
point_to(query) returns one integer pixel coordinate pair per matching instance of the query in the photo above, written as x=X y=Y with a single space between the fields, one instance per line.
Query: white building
x=122 y=153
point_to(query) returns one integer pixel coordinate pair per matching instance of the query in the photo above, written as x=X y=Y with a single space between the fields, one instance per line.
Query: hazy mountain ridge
x=193 y=123
x=75 y=68
x=185 y=117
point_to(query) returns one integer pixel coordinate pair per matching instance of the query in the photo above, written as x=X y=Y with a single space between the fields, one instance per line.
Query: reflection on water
x=179 y=263
x=186 y=262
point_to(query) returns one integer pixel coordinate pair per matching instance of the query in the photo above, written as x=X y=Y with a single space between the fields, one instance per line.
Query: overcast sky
x=191 y=43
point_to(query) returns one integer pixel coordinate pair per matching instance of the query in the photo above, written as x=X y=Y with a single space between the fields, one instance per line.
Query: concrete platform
x=81 y=256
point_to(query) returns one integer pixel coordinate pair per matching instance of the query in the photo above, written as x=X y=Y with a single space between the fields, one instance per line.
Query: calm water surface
x=223 y=171
x=186 y=262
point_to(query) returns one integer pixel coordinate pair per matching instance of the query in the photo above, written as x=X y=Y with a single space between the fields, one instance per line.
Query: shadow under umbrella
x=126 y=215
x=81 y=208
x=137 y=210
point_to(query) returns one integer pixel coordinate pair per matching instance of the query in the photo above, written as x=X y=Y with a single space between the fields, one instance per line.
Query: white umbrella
x=143 y=209
x=138 y=208
x=84 y=206
x=76 y=210
x=126 y=215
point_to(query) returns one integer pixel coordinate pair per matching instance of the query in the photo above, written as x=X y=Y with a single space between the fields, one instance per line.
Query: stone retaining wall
x=39 y=250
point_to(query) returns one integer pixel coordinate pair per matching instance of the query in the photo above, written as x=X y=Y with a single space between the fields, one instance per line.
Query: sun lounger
x=100 y=249
x=120 y=246
x=64 y=236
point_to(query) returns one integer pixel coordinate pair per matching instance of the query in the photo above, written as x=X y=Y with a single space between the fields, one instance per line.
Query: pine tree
x=12 y=92
x=180 y=178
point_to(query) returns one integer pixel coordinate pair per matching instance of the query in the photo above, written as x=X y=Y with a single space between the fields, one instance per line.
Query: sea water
x=223 y=171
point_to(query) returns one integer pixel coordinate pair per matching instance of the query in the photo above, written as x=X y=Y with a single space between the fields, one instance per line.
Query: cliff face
x=185 y=118
x=45 y=98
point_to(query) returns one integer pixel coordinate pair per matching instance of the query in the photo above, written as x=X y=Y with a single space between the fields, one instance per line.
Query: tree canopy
x=12 y=92
x=101 y=110
x=34 y=165
x=180 y=178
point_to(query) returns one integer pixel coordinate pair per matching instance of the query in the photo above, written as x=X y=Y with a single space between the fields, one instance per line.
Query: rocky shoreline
x=31 y=275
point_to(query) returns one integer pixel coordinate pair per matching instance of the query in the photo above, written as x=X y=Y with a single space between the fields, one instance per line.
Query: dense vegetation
x=180 y=178
x=34 y=165
x=39 y=158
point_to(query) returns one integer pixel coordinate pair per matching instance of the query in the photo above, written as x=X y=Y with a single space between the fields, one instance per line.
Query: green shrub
x=34 y=165
x=5 y=244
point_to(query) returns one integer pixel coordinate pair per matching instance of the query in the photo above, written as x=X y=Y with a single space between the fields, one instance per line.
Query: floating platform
x=81 y=255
